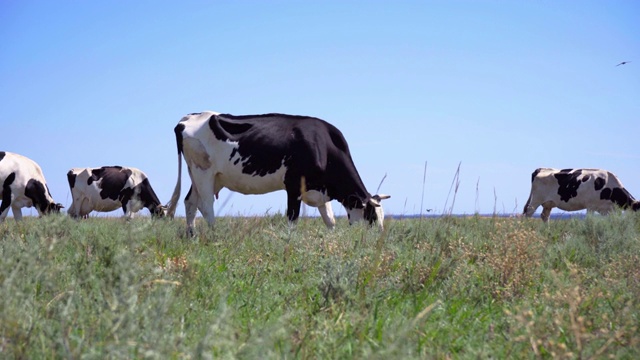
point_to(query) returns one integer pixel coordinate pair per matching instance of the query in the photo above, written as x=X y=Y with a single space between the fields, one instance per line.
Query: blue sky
x=501 y=87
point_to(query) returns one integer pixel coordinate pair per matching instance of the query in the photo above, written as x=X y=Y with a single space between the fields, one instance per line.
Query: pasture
x=255 y=288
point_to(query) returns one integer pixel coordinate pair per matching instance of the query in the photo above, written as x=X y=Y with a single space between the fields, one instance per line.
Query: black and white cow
x=109 y=188
x=258 y=154
x=23 y=185
x=577 y=189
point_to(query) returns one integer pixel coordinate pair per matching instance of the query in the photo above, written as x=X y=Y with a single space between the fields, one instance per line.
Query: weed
x=573 y=323
x=259 y=288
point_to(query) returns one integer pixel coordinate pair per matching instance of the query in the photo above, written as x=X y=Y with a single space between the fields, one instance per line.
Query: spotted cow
x=257 y=154
x=577 y=189
x=109 y=188
x=23 y=185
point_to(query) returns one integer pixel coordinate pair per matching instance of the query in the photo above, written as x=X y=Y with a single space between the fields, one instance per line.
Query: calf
x=23 y=185
x=256 y=154
x=110 y=187
x=577 y=189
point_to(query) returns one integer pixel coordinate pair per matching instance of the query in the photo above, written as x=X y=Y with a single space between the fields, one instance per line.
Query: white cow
x=257 y=154
x=109 y=188
x=577 y=189
x=23 y=185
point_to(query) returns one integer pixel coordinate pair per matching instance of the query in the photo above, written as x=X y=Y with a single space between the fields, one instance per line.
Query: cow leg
x=3 y=214
x=5 y=211
x=4 y=208
x=327 y=215
x=191 y=208
x=204 y=189
x=205 y=204
x=126 y=207
x=17 y=213
x=133 y=206
x=293 y=205
x=6 y=202
x=292 y=185
x=320 y=200
x=546 y=211
x=85 y=208
x=73 y=212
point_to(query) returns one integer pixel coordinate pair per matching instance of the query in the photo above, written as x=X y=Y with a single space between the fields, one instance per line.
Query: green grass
x=256 y=288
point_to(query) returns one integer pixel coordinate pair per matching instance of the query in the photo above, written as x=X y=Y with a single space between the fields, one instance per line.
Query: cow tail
x=173 y=202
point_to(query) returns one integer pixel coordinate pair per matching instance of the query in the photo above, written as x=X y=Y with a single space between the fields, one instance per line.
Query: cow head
x=370 y=211
x=159 y=211
x=53 y=208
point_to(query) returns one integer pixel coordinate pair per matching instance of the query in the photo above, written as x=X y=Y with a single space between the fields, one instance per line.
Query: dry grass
x=571 y=318
x=257 y=288
x=505 y=262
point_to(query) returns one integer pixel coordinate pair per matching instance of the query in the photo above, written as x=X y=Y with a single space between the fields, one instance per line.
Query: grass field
x=255 y=288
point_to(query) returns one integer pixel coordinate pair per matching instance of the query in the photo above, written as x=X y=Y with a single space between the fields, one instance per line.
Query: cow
x=23 y=185
x=257 y=154
x=108 y=188
x=577 y=189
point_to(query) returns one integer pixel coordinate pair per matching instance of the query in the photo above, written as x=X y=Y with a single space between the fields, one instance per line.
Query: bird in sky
x=623 y=63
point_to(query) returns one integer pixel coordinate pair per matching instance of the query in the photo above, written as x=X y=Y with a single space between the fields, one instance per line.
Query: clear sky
x=501 y=87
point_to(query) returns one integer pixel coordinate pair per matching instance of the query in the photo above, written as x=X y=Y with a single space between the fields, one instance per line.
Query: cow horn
x=375 y=199
x=380 y=197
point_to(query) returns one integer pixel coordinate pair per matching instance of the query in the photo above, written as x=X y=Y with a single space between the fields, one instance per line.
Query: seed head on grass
x=567 y=325
x=506 y=264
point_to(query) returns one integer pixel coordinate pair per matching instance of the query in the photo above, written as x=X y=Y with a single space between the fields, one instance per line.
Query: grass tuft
x=258 y=288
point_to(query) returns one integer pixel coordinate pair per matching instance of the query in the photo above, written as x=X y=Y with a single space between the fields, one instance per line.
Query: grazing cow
x=577 y=189
x=110 y=187
x=23 y=185
x=257 y=154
